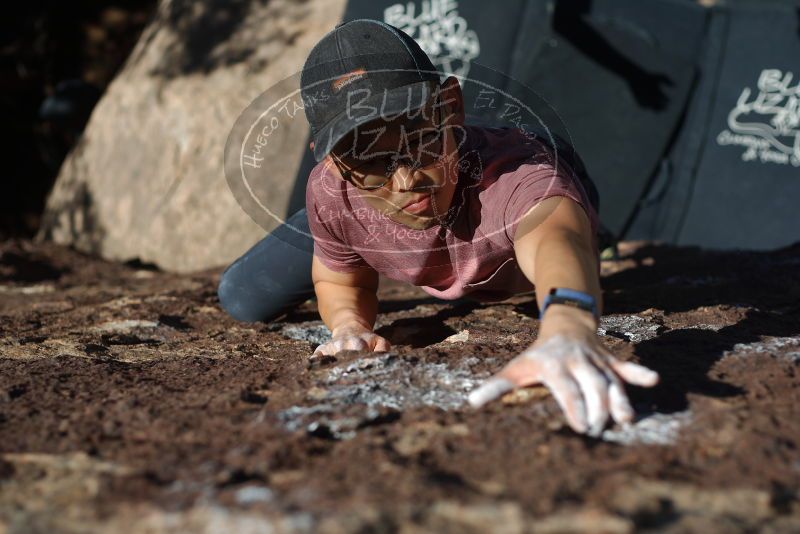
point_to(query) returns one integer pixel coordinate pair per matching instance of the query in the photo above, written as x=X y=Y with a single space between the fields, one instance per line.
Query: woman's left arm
x=554 y=247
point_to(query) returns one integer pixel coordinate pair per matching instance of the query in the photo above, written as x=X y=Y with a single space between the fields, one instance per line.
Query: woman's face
x=433 y=184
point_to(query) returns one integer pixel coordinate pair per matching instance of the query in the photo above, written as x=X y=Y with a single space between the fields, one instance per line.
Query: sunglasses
x=423 y=150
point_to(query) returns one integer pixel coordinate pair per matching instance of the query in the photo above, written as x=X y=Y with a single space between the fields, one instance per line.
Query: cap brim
x=393 y=102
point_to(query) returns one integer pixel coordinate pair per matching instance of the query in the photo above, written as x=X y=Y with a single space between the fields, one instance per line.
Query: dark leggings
x=275 y=274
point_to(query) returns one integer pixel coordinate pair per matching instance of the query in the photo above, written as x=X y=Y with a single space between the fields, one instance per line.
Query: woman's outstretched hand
x=583 y=376
x=352 y=338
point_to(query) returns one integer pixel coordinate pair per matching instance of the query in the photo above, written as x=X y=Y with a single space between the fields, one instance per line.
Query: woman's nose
x=405 y=178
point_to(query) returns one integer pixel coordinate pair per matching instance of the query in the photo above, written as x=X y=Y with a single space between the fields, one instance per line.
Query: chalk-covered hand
x=583 y=376
x=352 y=338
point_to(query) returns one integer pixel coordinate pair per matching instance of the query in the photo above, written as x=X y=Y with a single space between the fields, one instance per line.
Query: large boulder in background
x=146 y=179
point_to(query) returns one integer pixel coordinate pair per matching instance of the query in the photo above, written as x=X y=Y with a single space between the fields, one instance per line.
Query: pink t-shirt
x=502 y=174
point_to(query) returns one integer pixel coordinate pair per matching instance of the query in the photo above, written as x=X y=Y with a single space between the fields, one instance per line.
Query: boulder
x=146 y=178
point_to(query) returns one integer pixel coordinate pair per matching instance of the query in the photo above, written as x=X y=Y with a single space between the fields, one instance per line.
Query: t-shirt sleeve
x=534 y=181
x=326 y=229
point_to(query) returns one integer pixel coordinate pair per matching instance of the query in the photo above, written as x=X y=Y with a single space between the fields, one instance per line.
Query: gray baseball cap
x=362 y=70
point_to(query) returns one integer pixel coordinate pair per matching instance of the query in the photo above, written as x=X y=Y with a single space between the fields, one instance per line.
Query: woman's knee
x=273 y=275
x=247 y=301
x=230 y=297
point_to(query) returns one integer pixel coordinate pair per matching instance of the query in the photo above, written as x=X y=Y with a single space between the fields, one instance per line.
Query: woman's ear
x=311 y=145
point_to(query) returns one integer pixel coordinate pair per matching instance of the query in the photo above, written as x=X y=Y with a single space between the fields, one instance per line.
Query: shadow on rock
x=685 y=357
x=707 y=277
x=19 y=265
x=419 y=333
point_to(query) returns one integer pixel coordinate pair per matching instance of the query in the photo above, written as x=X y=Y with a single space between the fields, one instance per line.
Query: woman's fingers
x=381 y=344
x=352 y=342
x=594 y=386
x=569 y=397
x=586 y=381
x=519 y=372
x=522 y=371
x=633 y=373
x=621 y=409
x=489 y=390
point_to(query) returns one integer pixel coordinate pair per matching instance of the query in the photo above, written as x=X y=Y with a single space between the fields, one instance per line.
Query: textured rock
x=582 y=521
x=127 y=325
x=206 y=519
x=146 y=180
x=629 y=327
x=747 y=506
x=461 y=337
x=653 y=429
x=785 y=347
x=378 y=387
x=448 y=516
x=172 y=416
x=313 y=331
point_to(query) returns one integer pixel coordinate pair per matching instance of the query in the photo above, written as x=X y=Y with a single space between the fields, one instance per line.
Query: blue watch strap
x=571 y=297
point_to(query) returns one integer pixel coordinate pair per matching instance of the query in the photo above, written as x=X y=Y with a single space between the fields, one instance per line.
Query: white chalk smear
x=653 y=429
x=781 y=347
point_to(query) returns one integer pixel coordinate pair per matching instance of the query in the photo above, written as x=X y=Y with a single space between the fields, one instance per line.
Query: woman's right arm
x=348 y=305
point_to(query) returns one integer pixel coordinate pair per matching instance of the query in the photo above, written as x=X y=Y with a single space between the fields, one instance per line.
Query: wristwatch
x=570 y=297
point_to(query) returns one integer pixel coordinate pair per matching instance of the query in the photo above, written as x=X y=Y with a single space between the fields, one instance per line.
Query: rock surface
x=153 y=149
x=129 y=402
